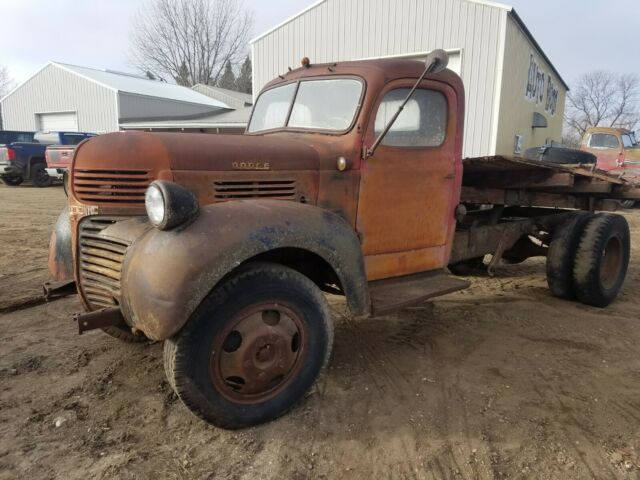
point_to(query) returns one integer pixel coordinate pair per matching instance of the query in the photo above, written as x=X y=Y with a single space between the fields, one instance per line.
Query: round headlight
x=169 y=204
x=154 y=203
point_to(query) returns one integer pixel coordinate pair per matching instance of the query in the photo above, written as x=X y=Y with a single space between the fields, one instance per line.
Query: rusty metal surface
x=167 y=274
x=107 y=317
x=61 y=249
x=393 y=294
x=64 y=288
x=258 y=353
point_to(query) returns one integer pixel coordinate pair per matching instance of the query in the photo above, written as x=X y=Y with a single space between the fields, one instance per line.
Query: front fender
x=60 y=251
x=167 y=274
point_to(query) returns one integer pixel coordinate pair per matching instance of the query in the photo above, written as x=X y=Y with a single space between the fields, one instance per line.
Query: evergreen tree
x=243 y=82
x=150 y=75
x=228 y=78
x=183 y=76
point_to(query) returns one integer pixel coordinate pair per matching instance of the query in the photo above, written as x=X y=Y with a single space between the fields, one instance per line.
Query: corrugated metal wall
x=339 y=30
x=54 y=89
x=134 y=106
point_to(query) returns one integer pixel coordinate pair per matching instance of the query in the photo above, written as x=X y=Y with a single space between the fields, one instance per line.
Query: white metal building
x=512 y=89
x=73 y=98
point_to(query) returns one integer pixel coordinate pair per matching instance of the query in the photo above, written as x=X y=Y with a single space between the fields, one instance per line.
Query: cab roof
x=378 y=71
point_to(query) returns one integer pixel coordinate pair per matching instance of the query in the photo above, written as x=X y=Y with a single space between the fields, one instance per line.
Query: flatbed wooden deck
x=516 y=181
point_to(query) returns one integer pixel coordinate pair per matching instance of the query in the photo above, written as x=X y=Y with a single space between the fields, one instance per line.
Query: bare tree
x=190 y=41
x=603 y=99
x=6 y=82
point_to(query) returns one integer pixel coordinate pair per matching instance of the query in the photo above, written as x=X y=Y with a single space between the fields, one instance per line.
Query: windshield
x=318 y=105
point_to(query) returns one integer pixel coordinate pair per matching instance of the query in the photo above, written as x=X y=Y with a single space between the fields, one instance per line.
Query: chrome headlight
x=169 y=204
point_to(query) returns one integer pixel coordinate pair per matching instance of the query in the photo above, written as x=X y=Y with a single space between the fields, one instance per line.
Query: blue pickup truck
x=22 y=154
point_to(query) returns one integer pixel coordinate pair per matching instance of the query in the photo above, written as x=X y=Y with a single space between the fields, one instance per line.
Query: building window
x=602 y=140
x=422 y=123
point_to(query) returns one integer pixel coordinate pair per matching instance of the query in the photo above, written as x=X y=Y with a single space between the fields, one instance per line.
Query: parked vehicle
x=59 y=159
x=616 y=148
x=221 y=246
x=23 y=157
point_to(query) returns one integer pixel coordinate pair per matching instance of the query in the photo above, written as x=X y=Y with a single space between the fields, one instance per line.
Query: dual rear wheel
x=588 y=258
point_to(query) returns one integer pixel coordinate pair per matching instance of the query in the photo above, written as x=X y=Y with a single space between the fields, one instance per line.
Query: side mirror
x=437 y=61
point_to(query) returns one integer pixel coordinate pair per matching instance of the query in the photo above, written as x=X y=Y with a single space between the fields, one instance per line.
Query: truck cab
x=616 y=148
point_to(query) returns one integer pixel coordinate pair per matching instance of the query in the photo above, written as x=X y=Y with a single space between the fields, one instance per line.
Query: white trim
x=25 y=82
x=254 y=94
x=89 y=79
x=497 y=93
x=288 y=20
x=116 y=96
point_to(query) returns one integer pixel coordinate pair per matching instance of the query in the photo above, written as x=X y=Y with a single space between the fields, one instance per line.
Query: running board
x=392 y=294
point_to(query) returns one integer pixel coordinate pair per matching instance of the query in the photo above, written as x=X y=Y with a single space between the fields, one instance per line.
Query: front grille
x=111 y=186
x=276 y=189
x=100 y=260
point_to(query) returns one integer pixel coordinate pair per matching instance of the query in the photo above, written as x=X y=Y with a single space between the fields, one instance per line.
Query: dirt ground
x=499 y=381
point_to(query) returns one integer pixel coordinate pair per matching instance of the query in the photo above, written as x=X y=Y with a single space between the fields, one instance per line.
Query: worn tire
x=124 y=334
x=561 y=255
x=12 y=181
x=192 y=361
x=602 y=260
x=561 y=156
x=39 y=175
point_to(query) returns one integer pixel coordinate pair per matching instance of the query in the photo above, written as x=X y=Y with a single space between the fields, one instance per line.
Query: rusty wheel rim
x=611 y=262
x=258 y=354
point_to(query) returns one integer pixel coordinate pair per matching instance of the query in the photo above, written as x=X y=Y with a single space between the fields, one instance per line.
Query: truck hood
x=156 y=152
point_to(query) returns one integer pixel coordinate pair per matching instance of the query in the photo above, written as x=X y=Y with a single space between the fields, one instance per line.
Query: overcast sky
x=578 y=35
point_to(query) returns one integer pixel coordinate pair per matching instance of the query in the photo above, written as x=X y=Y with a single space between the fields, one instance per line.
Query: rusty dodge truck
x=349 y=181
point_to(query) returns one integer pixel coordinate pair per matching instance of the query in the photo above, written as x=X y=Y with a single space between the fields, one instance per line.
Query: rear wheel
x=39 y=175
x=253 y=348
x=12 y=181
x=561 y=255
x=602 y=260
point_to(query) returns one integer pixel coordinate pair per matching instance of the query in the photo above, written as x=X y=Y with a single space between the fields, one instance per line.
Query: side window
x=422 y=123
x=603 y=140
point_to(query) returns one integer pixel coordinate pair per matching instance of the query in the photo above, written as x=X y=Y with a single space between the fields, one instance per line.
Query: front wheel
x=252 y=348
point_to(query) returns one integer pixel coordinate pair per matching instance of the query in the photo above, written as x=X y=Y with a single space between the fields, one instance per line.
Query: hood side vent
x=111 y=186
x=244 y=189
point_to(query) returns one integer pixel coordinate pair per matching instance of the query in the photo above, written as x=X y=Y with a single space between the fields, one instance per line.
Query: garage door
x=58 y=122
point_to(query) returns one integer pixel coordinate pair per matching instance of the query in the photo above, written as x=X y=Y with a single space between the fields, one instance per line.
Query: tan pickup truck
x=616 y=148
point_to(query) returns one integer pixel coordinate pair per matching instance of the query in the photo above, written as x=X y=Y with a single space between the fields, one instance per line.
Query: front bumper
x=56 y=173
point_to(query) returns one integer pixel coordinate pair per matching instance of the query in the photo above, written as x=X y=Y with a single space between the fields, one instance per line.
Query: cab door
x=410 y=187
